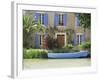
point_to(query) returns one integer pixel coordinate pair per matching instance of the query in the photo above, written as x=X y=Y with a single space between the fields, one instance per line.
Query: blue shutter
x=42 y=18
x=75 y=40
x=36 y=16
x=45 y=19
x=77 y=22
x=65 y=19
x=56 y=19
x=36 y=41
x=83 y=38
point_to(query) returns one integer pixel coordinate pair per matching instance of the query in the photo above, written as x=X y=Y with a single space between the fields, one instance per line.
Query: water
x=55 y=63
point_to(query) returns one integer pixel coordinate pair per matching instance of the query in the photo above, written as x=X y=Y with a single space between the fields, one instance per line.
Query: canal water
x=55 y=63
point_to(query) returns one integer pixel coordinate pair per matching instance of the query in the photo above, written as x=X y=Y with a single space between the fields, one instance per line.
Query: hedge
x=34 y=53
x=64 y=50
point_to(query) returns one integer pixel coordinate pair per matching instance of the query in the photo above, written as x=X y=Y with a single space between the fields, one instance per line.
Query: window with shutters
x=61 y=19
x=79 y=38
x=41 y=18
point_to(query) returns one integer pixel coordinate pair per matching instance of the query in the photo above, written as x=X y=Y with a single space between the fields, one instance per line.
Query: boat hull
x=82 y=54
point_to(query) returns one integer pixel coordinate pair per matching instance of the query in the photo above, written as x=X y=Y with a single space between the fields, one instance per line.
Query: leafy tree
x=51 y=41
x=85 y=20
x=30 y=27
x=70 y=34
x=51 y=31
x=27 y=31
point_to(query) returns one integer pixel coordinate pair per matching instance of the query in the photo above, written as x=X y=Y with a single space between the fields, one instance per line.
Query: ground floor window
x=79 y=38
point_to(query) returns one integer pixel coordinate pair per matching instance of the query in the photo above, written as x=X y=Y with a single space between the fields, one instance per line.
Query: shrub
x=69 y=46
x=27 y=54
x=44 y=54
x=86 y=46
x=63 y=50
x=76 y=48
x=52 y=42
x=34 y=53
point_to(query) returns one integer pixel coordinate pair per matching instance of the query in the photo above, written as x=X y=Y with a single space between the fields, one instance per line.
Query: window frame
x=41 y=15
x=61 y=20
x=79 y=38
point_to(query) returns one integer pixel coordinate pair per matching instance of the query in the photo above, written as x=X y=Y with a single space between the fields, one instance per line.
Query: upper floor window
x=61 y=19
x=42 y=18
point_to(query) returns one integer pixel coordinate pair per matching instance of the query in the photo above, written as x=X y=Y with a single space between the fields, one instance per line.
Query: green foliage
x=70 y=35
x=27 y=31
x=76 y=48
x=44 y=54
x=85 y=20
x=30 y=27
x=69 y=46
x=34 y=53
x=51 y=31
x=52 y=42
x=86 y=46
x=63 y=50
x=27 y=54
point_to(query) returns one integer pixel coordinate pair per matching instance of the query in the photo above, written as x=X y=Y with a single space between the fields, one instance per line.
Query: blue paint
x=81 y=54
x=36 y=40
x=75 y=40
x=77 y=22
x=56 y=19
x=37 y=16
x=65 y=19
x=45 y=19
x=83 y=37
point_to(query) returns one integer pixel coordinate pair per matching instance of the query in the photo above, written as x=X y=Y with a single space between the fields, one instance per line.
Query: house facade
x=62 y=21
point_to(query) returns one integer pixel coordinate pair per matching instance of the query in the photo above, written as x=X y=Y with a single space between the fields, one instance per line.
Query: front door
x=61 y=40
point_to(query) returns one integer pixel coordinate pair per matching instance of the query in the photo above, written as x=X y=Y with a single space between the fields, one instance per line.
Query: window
x=79 y=38
x=61 y=19
x=41 y=18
